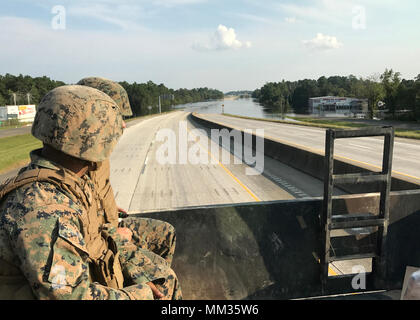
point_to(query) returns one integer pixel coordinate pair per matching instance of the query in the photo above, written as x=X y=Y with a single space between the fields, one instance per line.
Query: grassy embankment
x=14 y=151
x=310 y=122
x=11 y=124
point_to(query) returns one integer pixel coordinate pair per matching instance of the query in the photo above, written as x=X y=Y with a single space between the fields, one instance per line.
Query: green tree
x=417 y=98
x=391 y=81
x=374 y=92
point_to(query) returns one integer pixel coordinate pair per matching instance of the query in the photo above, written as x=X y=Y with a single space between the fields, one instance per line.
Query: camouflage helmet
x=80 y=121
x=111 y=88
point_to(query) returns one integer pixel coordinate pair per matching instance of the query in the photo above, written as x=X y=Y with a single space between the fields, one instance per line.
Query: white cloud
x=173 y=3
x=70 y=54
x=223 y=39
x=325 y=11
x=126 y=14
x=123 y=16
x=290 y=19
x=254 y=18
x=323 y=42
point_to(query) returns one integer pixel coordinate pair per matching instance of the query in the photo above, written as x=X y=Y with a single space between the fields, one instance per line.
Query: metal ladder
x=331 y=222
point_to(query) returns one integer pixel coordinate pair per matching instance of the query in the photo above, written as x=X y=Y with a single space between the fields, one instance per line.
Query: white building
x=330 y=106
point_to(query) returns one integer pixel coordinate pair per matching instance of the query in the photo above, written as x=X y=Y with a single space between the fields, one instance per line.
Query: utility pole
x=160 y=107
x=28 y=95
x=14 y=98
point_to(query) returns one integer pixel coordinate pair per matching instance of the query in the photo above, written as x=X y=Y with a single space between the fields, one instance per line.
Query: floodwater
x=247 y=107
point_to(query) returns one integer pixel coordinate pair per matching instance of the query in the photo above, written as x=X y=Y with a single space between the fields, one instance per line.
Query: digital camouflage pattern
x=150 y=234
x=112 y=89
x=42 y=240
x=156 y=236
x=164 y=277
x=80 y=121
x=153 y=235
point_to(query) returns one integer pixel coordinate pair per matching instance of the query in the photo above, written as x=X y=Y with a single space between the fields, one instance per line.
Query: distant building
x=330 y=106
x=24 y=113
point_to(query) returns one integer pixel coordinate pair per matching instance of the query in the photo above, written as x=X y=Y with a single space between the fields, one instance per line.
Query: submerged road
x=142 y=182
x=366 y=151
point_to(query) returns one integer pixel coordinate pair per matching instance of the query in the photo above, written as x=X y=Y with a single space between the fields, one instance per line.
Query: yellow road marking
x=332 y=272
x=229 y=173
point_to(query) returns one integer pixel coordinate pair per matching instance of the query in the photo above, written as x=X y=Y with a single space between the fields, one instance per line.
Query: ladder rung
x=352 y=216
x=353 y=257
x=356 y=224
x=360 y=133
x=358 y=178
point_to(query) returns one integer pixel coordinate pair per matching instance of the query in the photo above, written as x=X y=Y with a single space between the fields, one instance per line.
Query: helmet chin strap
x=78 y=166
x=93 y=166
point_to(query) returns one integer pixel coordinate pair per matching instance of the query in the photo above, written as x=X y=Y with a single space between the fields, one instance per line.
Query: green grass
x=10 y=124
x=409 y=134
x=14 y=151
x=329 y=123
x=333 y=124
x=402 y=133
x=303 y=122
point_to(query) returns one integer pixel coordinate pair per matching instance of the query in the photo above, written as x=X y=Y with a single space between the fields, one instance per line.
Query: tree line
x=29 y=90
x=398 y=98
x=24 y=89
x=146 y=95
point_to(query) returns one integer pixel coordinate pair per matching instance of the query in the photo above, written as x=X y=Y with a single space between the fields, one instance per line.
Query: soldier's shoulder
x=43 y=197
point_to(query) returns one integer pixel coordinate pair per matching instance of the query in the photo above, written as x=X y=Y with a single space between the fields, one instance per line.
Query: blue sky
x=227 y=45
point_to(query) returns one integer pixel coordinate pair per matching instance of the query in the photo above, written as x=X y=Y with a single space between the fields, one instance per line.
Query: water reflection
x=243 y=107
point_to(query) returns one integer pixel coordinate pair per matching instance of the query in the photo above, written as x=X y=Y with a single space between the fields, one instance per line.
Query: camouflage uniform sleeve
x=138 y=264
x=54 y=259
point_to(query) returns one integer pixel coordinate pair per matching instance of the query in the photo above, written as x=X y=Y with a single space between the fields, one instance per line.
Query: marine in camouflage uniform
x=52 y=245
x=150 y=234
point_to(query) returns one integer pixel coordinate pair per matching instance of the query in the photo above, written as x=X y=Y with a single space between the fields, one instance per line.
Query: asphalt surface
x=143 y=183
x=4 y=133
x=366 y=151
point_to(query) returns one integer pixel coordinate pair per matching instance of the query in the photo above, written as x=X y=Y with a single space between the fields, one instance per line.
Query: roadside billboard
x=12 y=112
x=27 y=113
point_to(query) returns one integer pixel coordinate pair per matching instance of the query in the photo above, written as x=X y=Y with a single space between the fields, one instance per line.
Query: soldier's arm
x=52 y=255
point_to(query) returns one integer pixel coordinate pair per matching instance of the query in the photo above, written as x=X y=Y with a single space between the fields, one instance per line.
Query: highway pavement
x=142 y=183
x=4 y=133
x=365 y=151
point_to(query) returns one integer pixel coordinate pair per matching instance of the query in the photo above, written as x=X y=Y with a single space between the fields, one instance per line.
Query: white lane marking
x=359 y=146
x=315 y=149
